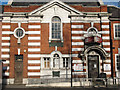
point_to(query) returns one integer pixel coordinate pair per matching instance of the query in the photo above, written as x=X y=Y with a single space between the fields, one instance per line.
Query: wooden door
x=93 y=66
x=18 y=69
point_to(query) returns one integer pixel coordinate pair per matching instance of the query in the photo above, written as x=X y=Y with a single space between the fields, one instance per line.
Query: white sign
x=107 y=67
x=78 y=67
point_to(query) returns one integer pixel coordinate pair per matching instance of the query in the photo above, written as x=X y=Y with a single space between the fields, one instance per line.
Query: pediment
x=55 y=4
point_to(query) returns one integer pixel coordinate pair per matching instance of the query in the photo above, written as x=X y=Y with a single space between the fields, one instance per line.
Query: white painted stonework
x=33 y=67
x=34 y=26
x=34 y=44
x=5 y=26
x=78 y=32
x=33 y=55
x=105 y=26
x=32 y=32
x=77 y=43
x=33 y=38
x=77 y=26
x=5 y=55
x=7 y=32
x=33 y=61
x=33 y=73
x=5 y=38
x=33 y=49
x=5 y=50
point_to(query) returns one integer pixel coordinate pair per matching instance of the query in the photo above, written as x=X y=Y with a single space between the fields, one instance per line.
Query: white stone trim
x=79 y=73
x=77 y=26
x=5 y=44
x=107 y=49
x=105 y=26
x=77 y=61
x=107 y=73
x=77 y=43
x=33 y=67
x=5 y=26
x=33 y=55
x=77 y=49
x=74 y=55
x=5 y=38
x=104 y=32
x=107 y=21
x=33 y=73
x=33 y=61
x=5 y=56
x=33 y=38
x=106 y=43
x=33 y=49
x=5 y=50
x=33 y=21
x=33 y=43
x=7 y=32
x=77 y=37
x=34 y=26
x=105 y=37
x=55 y=2
x=32 y=32
x=78 y=32
x=108 y=61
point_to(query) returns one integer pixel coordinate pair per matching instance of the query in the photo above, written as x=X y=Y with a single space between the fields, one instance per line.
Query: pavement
x=24 y=87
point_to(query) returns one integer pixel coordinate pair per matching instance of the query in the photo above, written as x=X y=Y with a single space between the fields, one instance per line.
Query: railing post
x=106 y=82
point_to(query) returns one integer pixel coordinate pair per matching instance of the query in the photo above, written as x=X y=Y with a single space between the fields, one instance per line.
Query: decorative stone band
x=5 y=38
x=105 y=26
x=34 y=26
x=33 y=49
x=33 y=67
x=33 y=38
x=5 y=26
x=77 y=26
x=33 y=61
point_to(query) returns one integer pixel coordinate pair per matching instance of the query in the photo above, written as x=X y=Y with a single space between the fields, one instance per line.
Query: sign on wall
x=78 y=67
x=107 y=67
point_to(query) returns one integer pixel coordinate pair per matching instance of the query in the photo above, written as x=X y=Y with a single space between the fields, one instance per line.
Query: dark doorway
x=18 y=69
x=93 y=66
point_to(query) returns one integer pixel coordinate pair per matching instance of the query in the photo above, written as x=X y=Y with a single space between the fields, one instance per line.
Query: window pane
x=66 y=62
x=56 y=24
x=63 y=62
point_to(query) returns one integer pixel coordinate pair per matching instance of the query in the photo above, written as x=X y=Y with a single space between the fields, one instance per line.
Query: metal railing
x=77 y=82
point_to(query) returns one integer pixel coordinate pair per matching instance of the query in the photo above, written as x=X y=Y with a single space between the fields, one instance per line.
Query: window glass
x=65 y=62
x=117 y=30
x=56 y=28
x=19 y=32
x=118 y=62
x=46 y=62
x=56 y=60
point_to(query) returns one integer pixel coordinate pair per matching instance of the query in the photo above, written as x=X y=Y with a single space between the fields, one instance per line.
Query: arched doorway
x=94 y=58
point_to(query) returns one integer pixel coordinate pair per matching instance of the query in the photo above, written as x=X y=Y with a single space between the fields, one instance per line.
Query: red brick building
x=40 y=40
x=115 y=45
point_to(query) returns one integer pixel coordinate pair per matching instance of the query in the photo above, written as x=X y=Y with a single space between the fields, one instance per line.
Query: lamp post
x=1 y=73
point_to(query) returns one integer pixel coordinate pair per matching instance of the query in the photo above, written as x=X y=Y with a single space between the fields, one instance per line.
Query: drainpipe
x=111 y=49
x=71 y=50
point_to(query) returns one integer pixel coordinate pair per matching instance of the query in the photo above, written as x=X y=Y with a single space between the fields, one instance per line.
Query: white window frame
x=68 y=62
x=46 y=63
x=114 y=30
x=50 y=29
x=116 y=70
x=22 y=30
